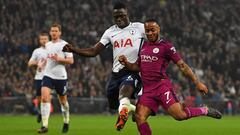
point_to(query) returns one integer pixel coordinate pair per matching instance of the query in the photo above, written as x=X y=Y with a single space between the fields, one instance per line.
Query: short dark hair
x=57 y=25
x=151 y=20
x=119 y=5
x=43 y=34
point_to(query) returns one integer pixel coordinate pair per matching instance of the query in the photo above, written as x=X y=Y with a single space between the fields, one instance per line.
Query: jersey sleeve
x=67 y=54
x=34 y=56
x=105 y=39
x=142 y=30
x=172 y=54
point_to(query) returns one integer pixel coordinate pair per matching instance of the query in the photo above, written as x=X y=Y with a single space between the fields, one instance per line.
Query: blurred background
x=205 y=32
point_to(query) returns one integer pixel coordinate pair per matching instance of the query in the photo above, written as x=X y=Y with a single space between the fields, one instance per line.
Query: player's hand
x=122 y=59
x=68 y=48
x=202 y=88
x=54 y=57
x=41 y=64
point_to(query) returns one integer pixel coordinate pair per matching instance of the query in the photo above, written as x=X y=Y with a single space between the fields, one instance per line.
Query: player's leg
x=38 y=85
x=45 y=103
x=125 y=105
x=129 y=86
x=65 y=112
x=142 y=113
x=180 y=112
x=61 y=89
x=45 y=108
x=39 y=116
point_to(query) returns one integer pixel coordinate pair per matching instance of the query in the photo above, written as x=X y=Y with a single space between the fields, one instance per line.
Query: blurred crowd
x=206 y=37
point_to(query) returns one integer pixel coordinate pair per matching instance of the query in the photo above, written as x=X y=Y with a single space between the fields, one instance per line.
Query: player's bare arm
x=87 y=52
x=32 y=63
x=187 y=71
x=131 y=66
x=67 y=60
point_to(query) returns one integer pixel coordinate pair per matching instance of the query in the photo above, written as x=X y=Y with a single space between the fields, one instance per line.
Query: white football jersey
x=126 y=41
x=37 y=55
x=53 y=69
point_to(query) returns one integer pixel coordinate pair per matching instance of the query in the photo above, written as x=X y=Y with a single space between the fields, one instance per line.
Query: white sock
x=132 y=107
x=45 y=111
x=125 y=102
x=65 y=112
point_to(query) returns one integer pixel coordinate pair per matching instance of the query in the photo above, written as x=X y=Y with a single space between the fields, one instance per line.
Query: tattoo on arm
x=187 y=71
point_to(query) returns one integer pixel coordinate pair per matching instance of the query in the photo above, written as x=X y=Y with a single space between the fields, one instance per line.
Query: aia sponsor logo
x=123 y=43
x=148 y=58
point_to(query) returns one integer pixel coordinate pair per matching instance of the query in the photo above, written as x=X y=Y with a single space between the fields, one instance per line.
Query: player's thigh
x=60 y=87
x=167 y=96
x=47 y=86
x=126 y=91
x=130 y=85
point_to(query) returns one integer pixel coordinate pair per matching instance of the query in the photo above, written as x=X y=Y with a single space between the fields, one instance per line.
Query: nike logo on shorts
x=168 y=101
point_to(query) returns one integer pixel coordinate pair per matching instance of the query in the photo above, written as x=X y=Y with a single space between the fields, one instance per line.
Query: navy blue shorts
x=37 y=87
x=117 y=80
x=59 y=85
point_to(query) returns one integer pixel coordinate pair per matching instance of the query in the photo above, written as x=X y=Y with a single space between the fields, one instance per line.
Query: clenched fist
x=68 y=48
x=122 y=59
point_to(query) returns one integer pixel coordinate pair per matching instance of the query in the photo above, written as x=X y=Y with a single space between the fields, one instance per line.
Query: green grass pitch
x=104 y=125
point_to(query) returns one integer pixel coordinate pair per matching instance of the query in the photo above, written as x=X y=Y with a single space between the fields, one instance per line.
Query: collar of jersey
x=130 y=23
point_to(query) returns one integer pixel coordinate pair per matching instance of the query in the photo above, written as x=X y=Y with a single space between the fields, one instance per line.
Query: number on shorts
x=167 y=94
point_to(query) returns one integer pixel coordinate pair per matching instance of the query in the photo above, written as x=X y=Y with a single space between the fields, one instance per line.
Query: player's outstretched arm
x=187 y=71
x=87 y=52
x=131 y=66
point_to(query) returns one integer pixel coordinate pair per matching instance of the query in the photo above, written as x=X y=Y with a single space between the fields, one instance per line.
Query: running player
x=38 y=57
x=126 y=38
x=55 y=77
x=155 y=56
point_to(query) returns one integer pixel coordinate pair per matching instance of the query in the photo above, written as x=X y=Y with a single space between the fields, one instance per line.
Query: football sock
x=45 y=111
x=132 y=107
x=124 y=103
x=195 y=111
x=39 y=108
x=144 y=129
x=65 y=112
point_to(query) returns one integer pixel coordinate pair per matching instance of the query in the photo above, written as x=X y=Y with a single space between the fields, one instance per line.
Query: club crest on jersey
x=155 y=50
x=132 y=32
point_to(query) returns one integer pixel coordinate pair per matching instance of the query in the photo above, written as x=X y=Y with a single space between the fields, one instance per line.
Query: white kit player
x=126 y=39
x=37 y=60
x=55 y=77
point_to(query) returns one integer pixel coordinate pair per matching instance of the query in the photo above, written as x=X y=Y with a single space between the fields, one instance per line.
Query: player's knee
x=45 y=99
x=180 y=116
x=140 y=118
x=125 y=91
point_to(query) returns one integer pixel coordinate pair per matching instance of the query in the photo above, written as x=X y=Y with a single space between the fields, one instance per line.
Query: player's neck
x=156 y=41
x=55 y=40
x=125 y=25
